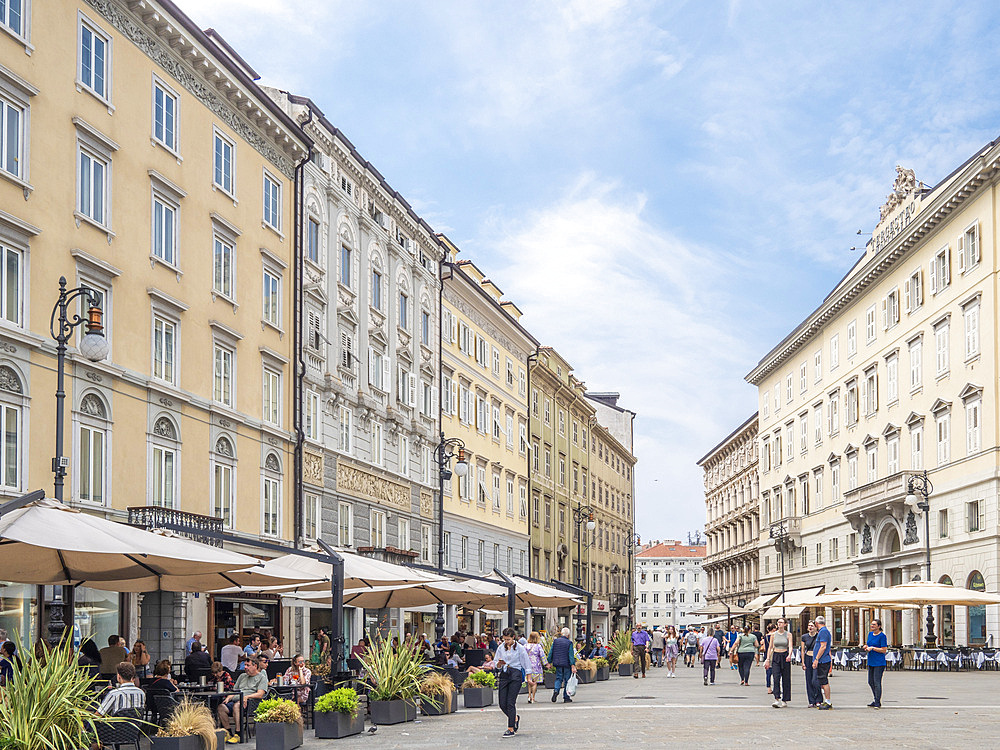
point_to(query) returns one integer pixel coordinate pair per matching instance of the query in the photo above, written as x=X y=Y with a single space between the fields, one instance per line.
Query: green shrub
x=601 y=662
x=278 y=710
x=480 y=679
x=343 y=701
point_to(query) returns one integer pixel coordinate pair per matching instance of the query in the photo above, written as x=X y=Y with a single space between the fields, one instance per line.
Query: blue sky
x=666 y=189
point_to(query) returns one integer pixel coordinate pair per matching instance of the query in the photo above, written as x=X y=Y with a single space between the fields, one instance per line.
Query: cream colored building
x=732 y=520
x=892 y=375
x=141 y=160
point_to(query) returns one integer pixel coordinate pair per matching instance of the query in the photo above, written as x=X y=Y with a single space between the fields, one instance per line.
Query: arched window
x=270 y=522
x=11 y=427
x=977 y=615
x=93 y=437
x=224 y=481
x=164 y=448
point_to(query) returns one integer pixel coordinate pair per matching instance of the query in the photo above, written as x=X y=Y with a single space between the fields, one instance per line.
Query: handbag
x=571 y=684
x=733 y=656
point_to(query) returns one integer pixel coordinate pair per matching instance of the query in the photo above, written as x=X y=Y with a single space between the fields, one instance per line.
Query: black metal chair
x=247 y=722
x=163 y=706
x=116 y=734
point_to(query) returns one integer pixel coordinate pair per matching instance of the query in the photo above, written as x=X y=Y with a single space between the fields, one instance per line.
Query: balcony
x=792 y=526
x=870 y=501
x=618 y=601
x=190 y=525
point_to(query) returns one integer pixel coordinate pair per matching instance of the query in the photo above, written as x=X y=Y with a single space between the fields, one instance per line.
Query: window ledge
x=265 y=324
x=84 y=88
x=267 y=225
x=154 y=261
x=225 y=298
x=26 y=187
x=974 y=358
x=942 y=376
x=159 y=144
x=219 y=189
x=82 y=218
x=28 y=46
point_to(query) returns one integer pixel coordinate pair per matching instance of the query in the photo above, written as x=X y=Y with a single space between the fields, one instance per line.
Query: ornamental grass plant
x=587 y=665
x=620 y=643
x=393 y=674
x=601 y=662
x=191 y=720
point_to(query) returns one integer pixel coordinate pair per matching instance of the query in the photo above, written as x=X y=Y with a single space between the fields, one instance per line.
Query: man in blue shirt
x=877 y=646
x=562 y=656
x=822 y=660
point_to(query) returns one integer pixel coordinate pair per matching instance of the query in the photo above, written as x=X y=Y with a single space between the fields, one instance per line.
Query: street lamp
x=446 y=450
x=779 y=533
x=631 y=543
x=580 y=514
x=94 y=346
x=921 y=485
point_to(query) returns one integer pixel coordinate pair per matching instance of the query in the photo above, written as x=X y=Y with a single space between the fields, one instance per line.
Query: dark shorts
x=823 y=672
x=691 y=650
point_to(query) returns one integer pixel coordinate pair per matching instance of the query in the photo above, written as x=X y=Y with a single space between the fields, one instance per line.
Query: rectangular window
x=92 y=197
x=164 y=116
x=851 y=403
x=403 y=534
x=11 y=16
x=376 y=530
x=940 y=275
x=271 y=396
x=222 y=265
x=465 y=552
x=943 y=523
x=346 y=429
x=803 y=378
x=916 y=364
x=818 y=366
x=496 y=361
x=818 y=485
x=943 y=424
x=425 y=328
x=377 y=446
x=975 y=515
x=91 y=464
x=481 y=550
x=272 y=202
x=818 y=424
x=852 y=471
x=892 y=378
x=425 y=543
x=312 y=241
x=872 y=456
x=222 y=390
x=95 y=57
x=164 y=230
x=788 y=388
x=312 y=416
x=890 y=309
x=913 y=292
x=871 y=391
x=345 y=524
x=163 y=477
x=404 y=312
x=345 y=266
x=11 y=285
x=311 y=515
x=163 y=350
x=917 y=447
x=834 y=352
x=10 y=428
x=968 y=249
x=376 y=290
x=970 y=316
x=852 y=338
x=272 y=299
x=833 y=413
x=835 y=481
x=223 y=171
x=973 y=426
x=804 y=432
x=223 y=494
x=942 y=343
x=892 y=454
x=11 y=135
x=870 y=324
x=404 y=455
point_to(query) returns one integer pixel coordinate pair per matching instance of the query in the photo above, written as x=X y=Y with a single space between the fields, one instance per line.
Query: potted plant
x=477 y=691
x=49 y=705
x=625 y=664
x=279 y=724
x=393 y=681
x=190 y=727
x=439 y=695
x=586 y=669
x=549 y=676
x=338 y=714
x=603 y=668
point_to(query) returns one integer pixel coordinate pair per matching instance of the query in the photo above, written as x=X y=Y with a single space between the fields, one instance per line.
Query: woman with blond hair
x=140 y=659
x=537 y=662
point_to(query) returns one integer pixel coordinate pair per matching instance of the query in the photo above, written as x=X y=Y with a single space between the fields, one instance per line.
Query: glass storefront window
x=96 y=615
x=19 y=612
x=977 y=615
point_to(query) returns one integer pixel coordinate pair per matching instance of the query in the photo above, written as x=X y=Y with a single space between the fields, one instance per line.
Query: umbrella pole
x=337 y=607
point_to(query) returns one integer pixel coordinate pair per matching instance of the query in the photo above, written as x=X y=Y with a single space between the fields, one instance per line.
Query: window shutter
x=454 y=329
x=920 y=287
x=412 y=389
x=933 y=270
x=961 y=254
x=885 y=313
x=906 y=293
x=371 y=366
x=975 y=249
x=454 y=404
x=946 y=261
x=386 y=373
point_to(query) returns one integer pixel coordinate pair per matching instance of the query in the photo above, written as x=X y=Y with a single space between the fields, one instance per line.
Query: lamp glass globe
x=94 y=346
x=591 y=525
x=462 y=468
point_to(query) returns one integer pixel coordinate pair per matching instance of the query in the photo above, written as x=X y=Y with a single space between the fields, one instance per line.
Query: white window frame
x=271 y=494
x=167 y=371
x=89 y=85
x=973 y=425
x=892 y=378
x=162 y=138
x=834 y=352
x=892 y=453
x=96 y=149
x=223 y=467
x=404 y=456
x=942 y=433
x=818 y=366
x=345 y=524
x=224 y=274
x=164 y=227
x=224 y=374
x=870 y=325
x=913 y=291
x=917 y=446
x=312 y=515
x=159 y=447
x=313 y=417
x=7 y=251
x=940 y=270
x=271 y=395
x=971 y=319
x=228 y=178
x=426 y=545
x=942 y=348
x=377 y=447
x=271 y=289
x=14 y=160
x=94 y=425
x=969 y=248
x=271 y=196
x=403 y=533
x=346 y=430
x=20 y=31
x=852 y=338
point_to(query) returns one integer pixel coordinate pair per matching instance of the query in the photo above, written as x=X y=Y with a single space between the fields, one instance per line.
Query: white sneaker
x=783 y=704
x=776 y=704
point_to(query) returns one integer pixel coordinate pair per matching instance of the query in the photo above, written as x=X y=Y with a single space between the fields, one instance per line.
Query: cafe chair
x=120 y=733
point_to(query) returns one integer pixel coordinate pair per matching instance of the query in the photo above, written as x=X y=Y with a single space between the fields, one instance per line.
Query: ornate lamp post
x=921 y=485
x=447 y=449
x=93 y=346
x=779 y=533
x=582 y=514
x=631 y=543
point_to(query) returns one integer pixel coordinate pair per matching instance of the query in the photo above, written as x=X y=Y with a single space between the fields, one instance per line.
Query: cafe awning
x=791 y=604
x=761 y=602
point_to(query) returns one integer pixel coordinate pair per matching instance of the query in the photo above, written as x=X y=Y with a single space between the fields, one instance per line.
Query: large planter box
x=585 y=676
x=603 y=673
x=278 y=735
x=176 y=743
x=625 y=670
x=332 y=725
x=477 y=697
x=550 y=680
x=440 y=708
x=393 y=712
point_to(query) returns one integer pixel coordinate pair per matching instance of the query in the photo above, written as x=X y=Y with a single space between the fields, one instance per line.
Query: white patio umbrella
x=49 y=543
x=465 y=593
x=718 y=608
x=532 y=594
x=920 y=593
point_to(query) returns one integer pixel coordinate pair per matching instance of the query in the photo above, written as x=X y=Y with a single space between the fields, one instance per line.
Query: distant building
x=669 y=583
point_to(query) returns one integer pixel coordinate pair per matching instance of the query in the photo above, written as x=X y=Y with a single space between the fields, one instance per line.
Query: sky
x=666 y=189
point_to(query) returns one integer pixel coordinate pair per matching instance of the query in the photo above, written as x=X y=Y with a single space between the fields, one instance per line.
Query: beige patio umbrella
x=466 y=593
x=538 y=595
x=720 y=608
x=49 y=543
x=920 y=593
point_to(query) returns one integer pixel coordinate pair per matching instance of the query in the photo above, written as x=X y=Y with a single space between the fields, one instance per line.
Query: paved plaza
x=921 y=710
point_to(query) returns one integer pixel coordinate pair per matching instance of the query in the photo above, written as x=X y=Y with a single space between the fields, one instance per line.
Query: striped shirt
x=126 y=695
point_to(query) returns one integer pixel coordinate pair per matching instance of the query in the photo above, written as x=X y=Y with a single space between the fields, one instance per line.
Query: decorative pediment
x=346 y=313
x=427 y=368
x=890 y=430
x=404 y=355
x=316 y=292
x=914 y=419
x=971 y=390
x=850 y=449
x=869 y=441
x=377 y=336
x=832 y=458
x=789 y=480
x=940 y=405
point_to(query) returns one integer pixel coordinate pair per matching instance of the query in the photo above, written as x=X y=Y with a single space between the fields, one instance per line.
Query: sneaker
x=555 y=696
x=567 y=699
x=825 y=706
x=776 y=704
x=507 y=734
x=706 y=681
x=873 y=704
x=783 y=704
x=233 y=739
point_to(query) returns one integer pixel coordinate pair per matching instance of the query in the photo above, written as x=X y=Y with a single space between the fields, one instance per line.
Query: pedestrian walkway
x=921 y=710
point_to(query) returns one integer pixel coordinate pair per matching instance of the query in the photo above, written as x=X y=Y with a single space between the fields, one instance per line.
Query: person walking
x=709 y=650
x=512 y=664
x=877 y=646
x=657 y=642
x=690 y=646
x=640 y=642
x=823 y=661
x=731 y=638
x=563 y=657
x=671 y=650
x=747 y=651
x=536 y=655
x=765 y=644
x=781 y=668
x=812 y=688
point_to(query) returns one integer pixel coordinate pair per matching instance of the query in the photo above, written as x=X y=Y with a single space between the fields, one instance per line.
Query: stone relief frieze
x=312 y=468
x=426 y=504
x=362 y=484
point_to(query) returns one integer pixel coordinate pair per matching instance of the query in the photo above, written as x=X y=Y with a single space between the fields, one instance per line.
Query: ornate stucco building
x=732 y=517
x=142 y=161
x=892 y=375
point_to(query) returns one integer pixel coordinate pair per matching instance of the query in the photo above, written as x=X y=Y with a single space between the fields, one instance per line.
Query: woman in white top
x=512 y=664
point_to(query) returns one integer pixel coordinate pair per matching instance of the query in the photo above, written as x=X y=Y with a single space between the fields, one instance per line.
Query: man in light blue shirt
x=512 y=664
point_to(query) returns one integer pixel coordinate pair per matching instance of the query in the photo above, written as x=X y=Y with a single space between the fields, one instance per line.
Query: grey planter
x=585 y=676
x=477 y=697
x=439 y=708
x=393 y=712
x=332 y=725
x=273 y=735
x=625 y=670
x=603 y=673
x=550 y=680
x=176 y=743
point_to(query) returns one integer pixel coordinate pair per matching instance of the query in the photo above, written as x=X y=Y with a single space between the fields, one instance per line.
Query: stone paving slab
x=922 y=710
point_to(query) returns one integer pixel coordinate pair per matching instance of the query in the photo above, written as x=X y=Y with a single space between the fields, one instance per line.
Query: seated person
x=219 y=674
x=162 y=682
x=6 y=663
x=126 y=696
x=454 y=660
x=197 y=663
x=599 y=650
x=488 y=664
x=360 y=650
x=251 y=684
x=112 y=655
x=299 y=674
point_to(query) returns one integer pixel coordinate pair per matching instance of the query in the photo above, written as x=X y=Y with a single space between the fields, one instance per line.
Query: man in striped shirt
x=126 y=695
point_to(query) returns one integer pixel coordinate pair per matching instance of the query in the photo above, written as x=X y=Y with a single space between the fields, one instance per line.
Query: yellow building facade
x=143 y=162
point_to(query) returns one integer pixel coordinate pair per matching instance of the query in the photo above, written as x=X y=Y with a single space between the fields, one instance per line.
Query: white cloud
x=637 y=310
